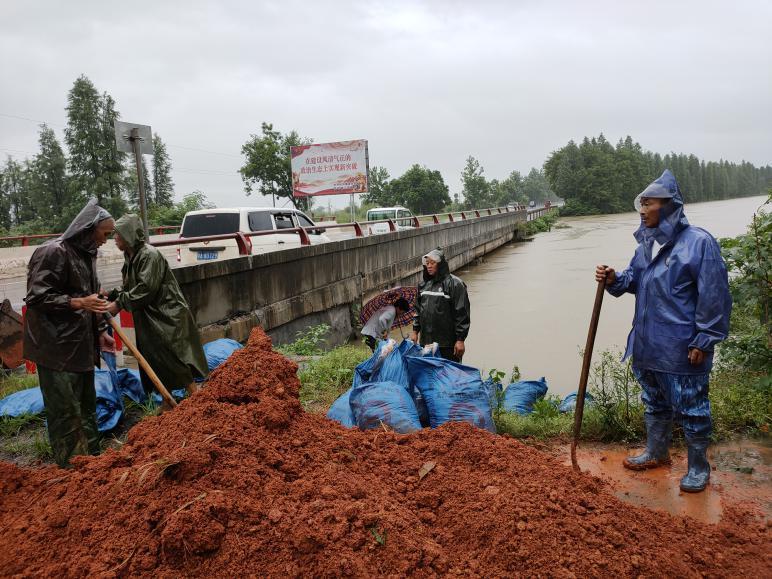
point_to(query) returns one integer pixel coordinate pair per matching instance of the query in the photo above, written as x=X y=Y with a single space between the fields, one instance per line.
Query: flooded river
x=531 y=301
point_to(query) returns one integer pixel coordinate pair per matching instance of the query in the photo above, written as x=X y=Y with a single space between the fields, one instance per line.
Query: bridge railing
x=245 y=245
x=26 y=239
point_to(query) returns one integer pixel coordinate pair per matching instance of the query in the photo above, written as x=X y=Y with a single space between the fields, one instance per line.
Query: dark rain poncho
x=56 y=336
x=442 y=308
x=166 y=331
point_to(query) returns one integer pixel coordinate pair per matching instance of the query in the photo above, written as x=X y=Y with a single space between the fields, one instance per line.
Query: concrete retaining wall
x=287 y=291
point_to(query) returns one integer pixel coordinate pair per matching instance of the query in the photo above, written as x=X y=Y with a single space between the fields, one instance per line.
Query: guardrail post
x=416 y=221
x=392 y=227
x=25 y=241
x=463 y=215
x=450 y=217
x=476 y=213
x=244 y=244
x=435 y=219
x=357 y=229
x=498 y=209
x=304 y=239
x=490 y=212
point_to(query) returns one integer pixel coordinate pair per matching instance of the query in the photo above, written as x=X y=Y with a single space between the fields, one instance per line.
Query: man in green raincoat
x=167 y=335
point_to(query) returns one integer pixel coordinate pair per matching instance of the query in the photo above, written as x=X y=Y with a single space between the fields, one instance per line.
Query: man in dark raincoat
x=167 y=335
x=442 y=308
x=682 y=308
x=61 y=330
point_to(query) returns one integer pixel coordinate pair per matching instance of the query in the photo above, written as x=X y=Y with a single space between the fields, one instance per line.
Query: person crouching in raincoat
x=682 y=308
x=166 y=332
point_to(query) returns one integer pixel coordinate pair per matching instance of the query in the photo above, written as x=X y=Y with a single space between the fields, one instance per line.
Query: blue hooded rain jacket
x=682 y=296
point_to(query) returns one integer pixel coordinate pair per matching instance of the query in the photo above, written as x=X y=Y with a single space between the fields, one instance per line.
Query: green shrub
x=307 y=342
x=326 y=378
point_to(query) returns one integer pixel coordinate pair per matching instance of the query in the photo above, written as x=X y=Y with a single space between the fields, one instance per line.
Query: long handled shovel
x=142 y=362
x=579 y=412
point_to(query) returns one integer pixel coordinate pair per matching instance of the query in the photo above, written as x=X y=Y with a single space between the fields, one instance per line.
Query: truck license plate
x=206 y=255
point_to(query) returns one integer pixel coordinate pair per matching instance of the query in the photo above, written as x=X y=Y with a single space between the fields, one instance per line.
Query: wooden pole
x=580 y=395
x=142 y=362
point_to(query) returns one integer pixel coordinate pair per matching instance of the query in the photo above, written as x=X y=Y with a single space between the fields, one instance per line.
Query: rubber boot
x=696 y=478
x=659 y=433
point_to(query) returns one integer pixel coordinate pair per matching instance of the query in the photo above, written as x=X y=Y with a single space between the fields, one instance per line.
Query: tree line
x=598 y=177
x=45 y=192
x=267 y=170
x=42 y=194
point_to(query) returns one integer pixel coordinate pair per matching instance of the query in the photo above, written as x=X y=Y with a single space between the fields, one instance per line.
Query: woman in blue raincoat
x=682 y=308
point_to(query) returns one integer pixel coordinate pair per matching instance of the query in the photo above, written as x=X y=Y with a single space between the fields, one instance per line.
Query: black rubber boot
x=659 y=433
x=696 y=478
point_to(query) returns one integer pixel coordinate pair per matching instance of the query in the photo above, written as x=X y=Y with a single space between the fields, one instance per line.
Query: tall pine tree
x=48 y=182
x=96 y=165
x=163 y=186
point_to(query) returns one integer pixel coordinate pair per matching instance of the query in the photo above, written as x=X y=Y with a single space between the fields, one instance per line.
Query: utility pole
x=137 y=139
x=135 y=142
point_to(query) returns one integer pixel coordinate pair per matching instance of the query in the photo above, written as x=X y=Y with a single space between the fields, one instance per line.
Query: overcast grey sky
x=425 y=82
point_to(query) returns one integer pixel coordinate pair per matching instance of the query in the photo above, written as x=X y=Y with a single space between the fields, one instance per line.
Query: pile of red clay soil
x=240 y=481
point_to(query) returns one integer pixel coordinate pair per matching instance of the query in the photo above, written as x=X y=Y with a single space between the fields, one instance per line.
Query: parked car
x=402 y=217
x=208 y=222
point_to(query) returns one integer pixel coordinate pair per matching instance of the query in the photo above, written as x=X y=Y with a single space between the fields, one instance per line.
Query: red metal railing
x=25 y=239
x=245 y=245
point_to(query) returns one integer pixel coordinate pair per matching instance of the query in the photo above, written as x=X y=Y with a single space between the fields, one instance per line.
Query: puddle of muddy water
x=741 y=475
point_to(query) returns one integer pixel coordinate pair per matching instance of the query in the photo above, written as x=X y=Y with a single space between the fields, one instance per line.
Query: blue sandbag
x=29 y=401
x=109 y=404
x=217 y=351
x=130 y=385
x=364 y=371
x=569 y=402
x=453 y=392
x=520 y=396
x=387 y=403
x=393 y=369
x=177 y=394
x=340 y=411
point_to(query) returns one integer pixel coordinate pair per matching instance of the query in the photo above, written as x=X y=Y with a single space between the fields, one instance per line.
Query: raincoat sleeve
x=150 y=275
x=714 y=302
x=461 y=309
x=417 y=317
x=626 y=282
x=45 y=280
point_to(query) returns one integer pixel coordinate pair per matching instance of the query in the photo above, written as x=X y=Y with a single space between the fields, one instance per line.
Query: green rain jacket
x=166 y=331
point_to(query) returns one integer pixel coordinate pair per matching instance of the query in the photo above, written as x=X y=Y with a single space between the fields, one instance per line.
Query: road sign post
x=137 y=139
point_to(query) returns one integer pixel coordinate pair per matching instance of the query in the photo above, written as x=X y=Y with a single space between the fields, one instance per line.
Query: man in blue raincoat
x=682 y=307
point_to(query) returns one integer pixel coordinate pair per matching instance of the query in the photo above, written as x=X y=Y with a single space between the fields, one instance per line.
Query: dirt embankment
x=240 y=481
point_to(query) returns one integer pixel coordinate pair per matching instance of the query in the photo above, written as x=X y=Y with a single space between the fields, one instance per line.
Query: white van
x=208 y=222
x=402 y=217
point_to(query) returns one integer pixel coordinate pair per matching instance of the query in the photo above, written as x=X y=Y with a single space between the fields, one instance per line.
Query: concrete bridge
x=287 y=291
